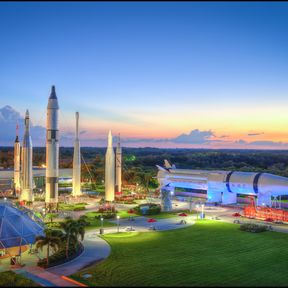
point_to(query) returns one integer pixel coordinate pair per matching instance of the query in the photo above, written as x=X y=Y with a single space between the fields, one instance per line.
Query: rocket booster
x=17 y=155
x=118 y=163
x=26 y=171
x=76 y=181
x=52 y=150
x=109 y=170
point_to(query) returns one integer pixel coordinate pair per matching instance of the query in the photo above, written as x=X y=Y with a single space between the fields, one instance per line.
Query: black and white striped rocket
x=52 y=151
x=26 y=167
x=76 y=180
x=17 y=155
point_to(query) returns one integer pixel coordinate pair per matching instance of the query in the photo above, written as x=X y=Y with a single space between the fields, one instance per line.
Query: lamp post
x=197 y=206
x=202 y=211
x=43 y=213
x=118 y=217
x=101 y=221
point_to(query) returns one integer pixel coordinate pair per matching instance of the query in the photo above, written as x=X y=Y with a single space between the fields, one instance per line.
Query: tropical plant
x=73 y=229
x=51 y=239
x=51 y=216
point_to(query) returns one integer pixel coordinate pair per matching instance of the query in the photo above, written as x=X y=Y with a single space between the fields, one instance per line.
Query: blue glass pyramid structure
x=17 y=228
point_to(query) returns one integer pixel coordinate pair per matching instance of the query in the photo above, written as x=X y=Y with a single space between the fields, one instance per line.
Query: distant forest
x=143 y=160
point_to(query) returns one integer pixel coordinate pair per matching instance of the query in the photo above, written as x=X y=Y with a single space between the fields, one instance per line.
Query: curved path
x=97 y=249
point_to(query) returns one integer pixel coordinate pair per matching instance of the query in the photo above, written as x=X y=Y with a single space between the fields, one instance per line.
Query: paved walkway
x=44 y=277
x=95 y=249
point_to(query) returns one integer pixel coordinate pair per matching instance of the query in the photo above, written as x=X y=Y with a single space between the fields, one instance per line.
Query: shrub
x=251 y=227
x=106 y=216
x=11 y=279
x=79 y=208
x=60 y=256
x=53 y=225
x=152 y=210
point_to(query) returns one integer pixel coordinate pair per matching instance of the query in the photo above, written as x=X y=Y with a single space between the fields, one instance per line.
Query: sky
x=162 y=74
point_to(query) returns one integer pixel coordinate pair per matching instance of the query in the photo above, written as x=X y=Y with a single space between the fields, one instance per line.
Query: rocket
x=118 y=164
x=17 y=155
x=76 y=181
x=109 y=170
x=52 y=152
x=26 y=171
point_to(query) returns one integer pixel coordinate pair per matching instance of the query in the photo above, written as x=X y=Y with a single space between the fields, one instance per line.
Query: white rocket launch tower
x=118 y=163
x=76 y=181
x=26 y=171
x=109 y=171
x=52 y=152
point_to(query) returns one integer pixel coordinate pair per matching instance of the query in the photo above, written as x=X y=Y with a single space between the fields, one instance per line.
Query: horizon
x=171 y=75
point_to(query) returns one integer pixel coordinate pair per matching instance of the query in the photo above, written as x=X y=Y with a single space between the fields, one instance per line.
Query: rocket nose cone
x=53 y=93
x=109 y=138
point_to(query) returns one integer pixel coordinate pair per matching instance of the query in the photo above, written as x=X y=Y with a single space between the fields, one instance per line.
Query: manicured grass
x=96 y=223
x=209 y=253
x=164 y=215
x=72 y=207
x=11 y=279
x=125 y=214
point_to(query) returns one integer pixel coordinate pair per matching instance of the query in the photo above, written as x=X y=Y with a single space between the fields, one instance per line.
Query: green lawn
x=11 y=279
x=164 y=215
x=125 y=214
x=209 y=253
x=72 y=207
x=96 y=223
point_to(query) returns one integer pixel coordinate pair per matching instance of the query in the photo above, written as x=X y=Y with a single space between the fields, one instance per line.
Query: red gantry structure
x=265 y=213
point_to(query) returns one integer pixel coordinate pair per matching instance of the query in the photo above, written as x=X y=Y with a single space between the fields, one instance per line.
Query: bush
x=60 y=256
x=152 y=210
x=11 y=279
x=255 y=228
x=106 y=216
x=79 y=208
x=53 y=225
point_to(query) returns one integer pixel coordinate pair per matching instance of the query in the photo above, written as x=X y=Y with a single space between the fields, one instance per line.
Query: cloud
x=8 y=121
x=255 y=134
x=270 y=143
x=240 y=141
x=194 y=137
x=266 y=143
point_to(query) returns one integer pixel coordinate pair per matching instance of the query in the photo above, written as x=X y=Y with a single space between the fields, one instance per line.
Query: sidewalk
x=44 y=278
x=95 y=249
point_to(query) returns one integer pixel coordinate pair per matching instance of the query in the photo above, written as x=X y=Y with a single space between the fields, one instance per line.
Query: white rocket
x=17 y=153
x=26 y=171
x=52 y=152
x=109 y=170
x=118 y=163
x=76 y=181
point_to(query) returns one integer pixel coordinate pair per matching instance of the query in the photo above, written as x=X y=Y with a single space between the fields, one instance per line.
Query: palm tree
x=51 y=239
x=73 y=229
x=69 y=228
x=80 y=229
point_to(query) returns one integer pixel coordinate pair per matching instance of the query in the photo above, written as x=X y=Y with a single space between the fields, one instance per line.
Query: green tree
x=51 y=239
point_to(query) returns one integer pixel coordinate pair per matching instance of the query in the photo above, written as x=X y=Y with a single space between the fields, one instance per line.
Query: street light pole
x=202 y=206
x=118 y=223
x=102 y=222
x=197 y=206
